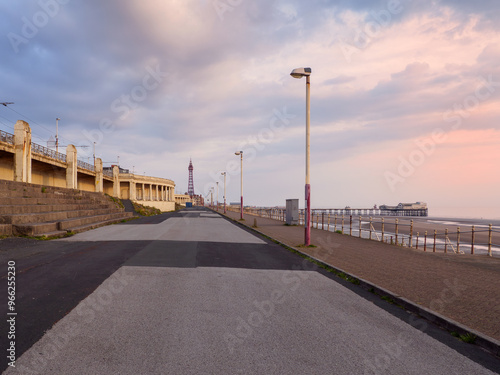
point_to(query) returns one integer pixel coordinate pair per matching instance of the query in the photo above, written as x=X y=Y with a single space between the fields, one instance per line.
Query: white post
x=308 y=154
x=224 y=191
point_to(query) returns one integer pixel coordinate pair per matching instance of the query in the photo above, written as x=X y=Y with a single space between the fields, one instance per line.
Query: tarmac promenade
x=192 y=292
x=464 y=288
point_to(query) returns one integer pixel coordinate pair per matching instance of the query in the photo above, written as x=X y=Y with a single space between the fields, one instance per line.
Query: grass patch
x=117 y=201
x=339 y=232
x=469 y=338
x=145 y=210
x=39 y=238
x=388 y=299
x=44 y=189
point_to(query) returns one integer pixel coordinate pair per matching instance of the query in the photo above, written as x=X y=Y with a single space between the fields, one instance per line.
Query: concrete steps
x=5 y=230
x=34 y=210
x=43 y=208
x=53 y=216
x=20 y=201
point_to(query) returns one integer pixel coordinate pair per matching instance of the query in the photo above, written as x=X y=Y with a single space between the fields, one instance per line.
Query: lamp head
x=238 y=153
x=300 y=72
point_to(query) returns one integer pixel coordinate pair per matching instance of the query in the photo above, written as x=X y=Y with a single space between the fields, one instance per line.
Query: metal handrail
x=41 y=150
x=6 y=137
x=107 y=173
x=85 y=165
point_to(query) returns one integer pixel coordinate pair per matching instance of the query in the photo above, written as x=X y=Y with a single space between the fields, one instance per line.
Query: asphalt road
x=192 y=293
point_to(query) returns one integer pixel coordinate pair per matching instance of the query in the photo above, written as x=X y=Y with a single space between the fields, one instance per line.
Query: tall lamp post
x=57 y=134
x=299 y=73
x=241 y=182
x=224 y=173
x=217 y=196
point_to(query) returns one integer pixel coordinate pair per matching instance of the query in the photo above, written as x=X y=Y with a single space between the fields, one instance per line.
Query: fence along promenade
x=479 y=239
x=45 y=151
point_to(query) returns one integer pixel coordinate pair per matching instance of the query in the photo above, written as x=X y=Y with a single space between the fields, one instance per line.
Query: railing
x=108 y=173
x=6 y=137
x=41 y=150
x=476 y=239
x=85 y=165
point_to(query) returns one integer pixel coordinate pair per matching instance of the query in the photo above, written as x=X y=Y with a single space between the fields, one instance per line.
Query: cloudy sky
x=404 y=101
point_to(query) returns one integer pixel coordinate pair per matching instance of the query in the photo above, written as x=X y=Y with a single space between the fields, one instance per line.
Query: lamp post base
x=307 y=235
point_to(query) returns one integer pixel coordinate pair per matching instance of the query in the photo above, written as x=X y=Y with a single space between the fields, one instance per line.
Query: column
x=22 y=156
x=71 y=168
x=133 y=191
x=116 y=182
x=98 y=176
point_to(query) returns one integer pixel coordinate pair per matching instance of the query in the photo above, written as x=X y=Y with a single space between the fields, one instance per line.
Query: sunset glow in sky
x=405 y=95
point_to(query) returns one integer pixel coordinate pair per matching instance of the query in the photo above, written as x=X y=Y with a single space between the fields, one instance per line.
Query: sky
x=404 y=95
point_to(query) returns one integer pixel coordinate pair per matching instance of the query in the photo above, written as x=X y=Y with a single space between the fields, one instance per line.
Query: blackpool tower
x=190 y=183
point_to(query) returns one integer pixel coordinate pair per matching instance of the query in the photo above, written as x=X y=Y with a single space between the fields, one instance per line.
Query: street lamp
x=57 y=134
x=299 y=73
x=224 y=173
x=217 y=196
x=241 y=182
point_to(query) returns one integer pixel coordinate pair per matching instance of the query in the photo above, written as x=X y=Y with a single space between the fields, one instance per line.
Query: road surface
x=192 y=293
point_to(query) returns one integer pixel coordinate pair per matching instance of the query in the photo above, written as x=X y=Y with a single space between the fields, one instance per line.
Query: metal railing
x=45 y=151
x=6 y=137
x=41 y=150
x=85 y=165
x=475 y=239
x=107 y=173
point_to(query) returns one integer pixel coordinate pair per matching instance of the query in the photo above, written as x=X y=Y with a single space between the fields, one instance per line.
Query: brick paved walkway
x=465 y=288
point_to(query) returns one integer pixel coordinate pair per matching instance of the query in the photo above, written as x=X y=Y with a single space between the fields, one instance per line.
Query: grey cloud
x=94 y=52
